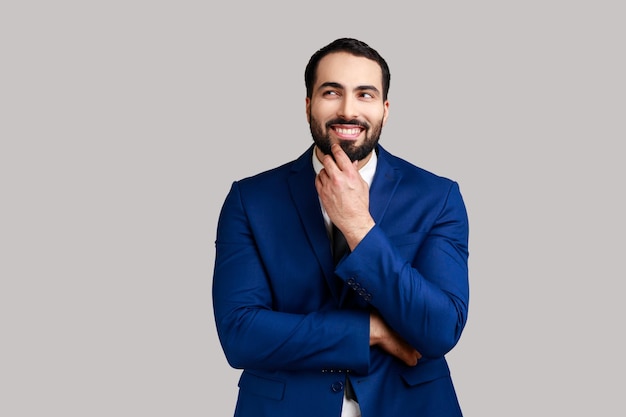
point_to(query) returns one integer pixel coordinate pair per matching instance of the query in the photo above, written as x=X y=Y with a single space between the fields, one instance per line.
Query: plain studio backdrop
x=123 y=124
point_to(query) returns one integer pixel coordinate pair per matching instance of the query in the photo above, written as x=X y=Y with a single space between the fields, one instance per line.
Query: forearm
x=266 y=339
x=428 y=311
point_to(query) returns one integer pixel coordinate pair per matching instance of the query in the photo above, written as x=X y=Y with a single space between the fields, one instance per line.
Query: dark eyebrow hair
x=368 y=87
x=330 y=84
x=339 y=86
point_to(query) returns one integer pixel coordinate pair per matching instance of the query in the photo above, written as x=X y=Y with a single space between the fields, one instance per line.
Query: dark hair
x=351 y=46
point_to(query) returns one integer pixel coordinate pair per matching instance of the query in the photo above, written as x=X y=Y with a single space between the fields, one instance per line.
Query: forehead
x=348 y=70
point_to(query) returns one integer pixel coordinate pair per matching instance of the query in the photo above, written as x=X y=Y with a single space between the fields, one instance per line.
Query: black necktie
x=340 y=246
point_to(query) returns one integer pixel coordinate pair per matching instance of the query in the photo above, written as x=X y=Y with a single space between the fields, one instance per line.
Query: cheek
x=377 y=117
x=323 y=109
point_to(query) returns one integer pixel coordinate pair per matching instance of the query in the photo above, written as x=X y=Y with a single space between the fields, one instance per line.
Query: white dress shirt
x=350 y=407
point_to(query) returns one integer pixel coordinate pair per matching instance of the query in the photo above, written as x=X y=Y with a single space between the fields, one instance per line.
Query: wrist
x=358 y=233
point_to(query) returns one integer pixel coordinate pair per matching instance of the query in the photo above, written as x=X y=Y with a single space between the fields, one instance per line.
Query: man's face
x=346 y=105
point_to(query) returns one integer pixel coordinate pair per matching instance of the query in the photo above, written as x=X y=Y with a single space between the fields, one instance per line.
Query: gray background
x=123 y=124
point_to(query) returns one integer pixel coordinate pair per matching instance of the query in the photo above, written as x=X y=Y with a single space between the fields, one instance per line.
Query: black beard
x=354 y=152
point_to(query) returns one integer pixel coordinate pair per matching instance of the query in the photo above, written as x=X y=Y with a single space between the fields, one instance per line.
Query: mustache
x=353 y=122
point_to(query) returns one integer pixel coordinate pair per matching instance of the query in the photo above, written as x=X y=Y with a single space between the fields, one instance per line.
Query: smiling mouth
x=347 y=132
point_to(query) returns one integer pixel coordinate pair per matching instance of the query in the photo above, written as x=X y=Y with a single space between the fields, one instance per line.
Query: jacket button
x=337 y=386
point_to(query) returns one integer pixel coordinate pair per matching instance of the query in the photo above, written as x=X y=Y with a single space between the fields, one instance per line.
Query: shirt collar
x=367 y=171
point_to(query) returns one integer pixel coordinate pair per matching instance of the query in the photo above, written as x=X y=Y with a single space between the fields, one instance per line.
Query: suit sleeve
x=252 y=333
x=423 y=297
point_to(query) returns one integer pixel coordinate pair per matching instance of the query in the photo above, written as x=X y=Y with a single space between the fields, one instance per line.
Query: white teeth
x=348 y=131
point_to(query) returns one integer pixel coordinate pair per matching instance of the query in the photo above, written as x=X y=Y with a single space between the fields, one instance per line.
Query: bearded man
x=341 y=278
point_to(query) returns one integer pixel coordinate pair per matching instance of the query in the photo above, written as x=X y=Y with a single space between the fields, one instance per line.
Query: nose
x=348 y=109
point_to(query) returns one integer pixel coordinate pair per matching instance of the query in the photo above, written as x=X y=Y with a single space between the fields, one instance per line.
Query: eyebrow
x=341 y=87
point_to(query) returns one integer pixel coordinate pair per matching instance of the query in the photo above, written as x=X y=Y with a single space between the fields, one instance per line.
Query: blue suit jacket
x=299 y=326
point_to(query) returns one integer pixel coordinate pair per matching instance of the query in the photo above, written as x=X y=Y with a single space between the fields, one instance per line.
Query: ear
x=307 y=108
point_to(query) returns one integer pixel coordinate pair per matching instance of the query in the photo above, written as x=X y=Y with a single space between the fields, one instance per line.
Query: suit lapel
x=383 y=186
x=304 y=194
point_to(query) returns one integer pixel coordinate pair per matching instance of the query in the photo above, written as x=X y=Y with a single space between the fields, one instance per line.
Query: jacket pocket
x=250 y=383
x=426 y=371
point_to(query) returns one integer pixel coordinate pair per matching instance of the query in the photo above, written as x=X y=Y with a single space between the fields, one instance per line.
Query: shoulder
x=412 y=173
x=270 y=175
x=278 y=177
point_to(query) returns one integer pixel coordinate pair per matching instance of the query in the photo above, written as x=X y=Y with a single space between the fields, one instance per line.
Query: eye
x=330 y=93
x=367 y=95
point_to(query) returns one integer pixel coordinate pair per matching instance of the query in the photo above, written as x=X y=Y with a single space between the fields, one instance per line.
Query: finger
x=342 y=160
x=411 y=356
x=406 y=353
x=330 y=166
x=319 y=180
